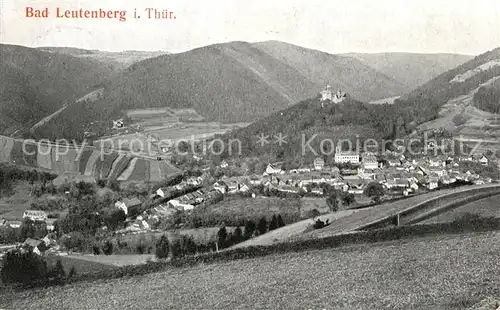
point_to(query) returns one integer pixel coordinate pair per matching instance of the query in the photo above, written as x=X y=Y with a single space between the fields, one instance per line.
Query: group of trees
x=11 y=174
x=226 y=239
x=338 y=198
x=28 y=229
x=488 y=99
x=22 y=266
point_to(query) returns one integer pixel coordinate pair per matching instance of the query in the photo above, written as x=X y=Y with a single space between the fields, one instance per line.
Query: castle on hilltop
x=327 y=94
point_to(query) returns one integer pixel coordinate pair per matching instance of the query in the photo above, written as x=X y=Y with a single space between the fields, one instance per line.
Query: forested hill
x=352 y=118
x=411 y=69
x=35 y=83
x=308 y=120
x=423 y=103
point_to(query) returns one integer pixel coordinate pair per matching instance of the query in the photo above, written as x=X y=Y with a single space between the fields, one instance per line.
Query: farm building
x=128 y=205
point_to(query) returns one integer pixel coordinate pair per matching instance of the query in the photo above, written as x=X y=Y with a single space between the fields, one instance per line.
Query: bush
x=23 y=267
x=107 y=248
x=162 y=247
x=72 y=272
x=319 y=224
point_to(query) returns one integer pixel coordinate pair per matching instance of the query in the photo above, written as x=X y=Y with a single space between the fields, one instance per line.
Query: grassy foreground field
x=445 y=272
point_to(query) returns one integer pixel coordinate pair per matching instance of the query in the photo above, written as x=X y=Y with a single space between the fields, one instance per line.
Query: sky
x=334 y=26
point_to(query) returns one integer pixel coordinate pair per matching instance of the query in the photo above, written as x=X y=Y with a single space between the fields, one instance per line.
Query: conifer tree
x=274 y=223
x=262 y=226
x=162 y=247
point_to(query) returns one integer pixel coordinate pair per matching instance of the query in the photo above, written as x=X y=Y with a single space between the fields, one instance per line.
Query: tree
x=72 y=272
x=281 y=223
x=177 y=248
x=140 y=247
x=374 y=189
x=319 y=224
x=332 y=202
x=348 y=198
x=58 y=271
x=249 y=229
x=262 y=226
x=115 y=218
x=188 y=245
x=107 y=248
x=162 y=247
x=237 y=236
x=21 y=266
x=313 y=213
x=274 y=223
x=222 y=237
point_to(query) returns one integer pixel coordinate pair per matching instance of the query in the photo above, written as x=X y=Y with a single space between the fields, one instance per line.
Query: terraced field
x=444 y=272
x=87 y=161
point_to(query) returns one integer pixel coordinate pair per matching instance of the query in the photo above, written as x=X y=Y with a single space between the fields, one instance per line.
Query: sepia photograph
x=191 y=154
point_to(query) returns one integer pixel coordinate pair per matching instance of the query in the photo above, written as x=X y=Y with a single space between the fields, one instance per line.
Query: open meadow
x=443 y=272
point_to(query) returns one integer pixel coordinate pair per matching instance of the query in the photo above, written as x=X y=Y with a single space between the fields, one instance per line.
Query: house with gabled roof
x=38 y=246
x=35 y=215
x=319 y=163
x=433 y=182
x=484 y=161
x=128 y=205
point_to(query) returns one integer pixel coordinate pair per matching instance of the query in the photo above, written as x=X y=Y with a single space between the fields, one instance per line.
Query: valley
x=138 y=204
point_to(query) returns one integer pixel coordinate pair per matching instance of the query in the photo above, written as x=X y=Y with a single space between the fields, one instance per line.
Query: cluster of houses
x=396 y=174
x=34 y=215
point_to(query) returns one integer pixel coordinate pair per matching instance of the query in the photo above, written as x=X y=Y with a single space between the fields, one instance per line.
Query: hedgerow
x=466 y=224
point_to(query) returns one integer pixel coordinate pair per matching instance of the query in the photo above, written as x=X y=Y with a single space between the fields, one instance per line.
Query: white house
x=433 y=183
x=483 y=160
x=35 y=215
x=342 y=157
x=270 y=169
x=128 y=204
x=177 y=204
x=370 y=161
x=160 y=192
x=224 y=164
x=13 y=224
x=319 y=163
x=394 y=162
x=220 y=186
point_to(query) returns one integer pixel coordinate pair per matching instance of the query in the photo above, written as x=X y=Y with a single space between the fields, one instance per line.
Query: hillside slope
x=225 y=82
x=411 y=69
x=36 y=83
x=118 y=60
x=231 y=82
x=442 y=272
x=307 y=123
x=361 y=81
x=451 y=101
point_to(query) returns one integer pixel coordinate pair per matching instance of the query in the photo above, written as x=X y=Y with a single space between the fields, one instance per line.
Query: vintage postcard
x=229 y=154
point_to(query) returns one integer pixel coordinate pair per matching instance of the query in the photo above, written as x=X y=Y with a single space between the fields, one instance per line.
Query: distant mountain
x=361 y=81
x=460 y=100
x=231 y=82
x=304 y=125
x=411 y=69
x=35 y=83
x=463 y=101
x=118 y=60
